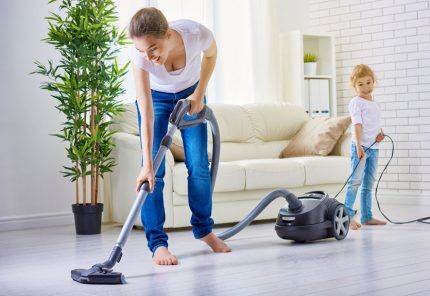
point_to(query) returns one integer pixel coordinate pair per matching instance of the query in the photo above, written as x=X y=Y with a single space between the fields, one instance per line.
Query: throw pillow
x=318 y=136
x=177 y=148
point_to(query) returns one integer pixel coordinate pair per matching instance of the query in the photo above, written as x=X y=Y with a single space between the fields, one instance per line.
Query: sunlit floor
x=387 y=260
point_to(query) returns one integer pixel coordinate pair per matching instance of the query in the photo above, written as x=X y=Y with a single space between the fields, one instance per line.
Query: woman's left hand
x=196 y=104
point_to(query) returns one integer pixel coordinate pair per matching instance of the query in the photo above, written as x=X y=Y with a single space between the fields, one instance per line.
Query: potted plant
x=310 y=62
x=85 y=82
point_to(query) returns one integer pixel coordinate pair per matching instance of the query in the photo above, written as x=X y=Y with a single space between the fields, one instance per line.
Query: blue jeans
x=364 y=175
x=197 y=163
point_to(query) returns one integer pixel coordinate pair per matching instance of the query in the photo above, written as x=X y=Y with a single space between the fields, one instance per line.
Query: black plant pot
x=88 y=218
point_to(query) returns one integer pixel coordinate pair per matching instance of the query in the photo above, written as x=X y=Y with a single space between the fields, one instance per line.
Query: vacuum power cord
x=421 y=220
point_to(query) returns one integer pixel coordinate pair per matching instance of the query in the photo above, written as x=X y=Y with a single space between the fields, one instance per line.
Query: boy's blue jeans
x=364 y=175
x=197 y=163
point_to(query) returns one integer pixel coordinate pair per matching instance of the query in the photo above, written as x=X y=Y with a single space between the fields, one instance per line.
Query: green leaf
x=88 y=41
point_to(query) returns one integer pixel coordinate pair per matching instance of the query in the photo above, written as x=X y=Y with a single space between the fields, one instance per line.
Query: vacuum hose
x=294 y=205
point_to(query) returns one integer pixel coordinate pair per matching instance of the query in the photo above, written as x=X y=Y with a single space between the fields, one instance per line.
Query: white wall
x=293 y=15
x=32 y=191
x=392 y=36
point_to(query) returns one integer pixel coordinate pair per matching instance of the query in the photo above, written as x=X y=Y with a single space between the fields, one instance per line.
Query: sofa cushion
x=325 y=169
x=230 y=177
x=238 y=151
x=317 y=137
x=273 y=173
x=234 y=123
x=274 y=122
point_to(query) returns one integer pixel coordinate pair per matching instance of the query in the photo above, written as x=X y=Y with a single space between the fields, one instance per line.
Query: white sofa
x=252 y=137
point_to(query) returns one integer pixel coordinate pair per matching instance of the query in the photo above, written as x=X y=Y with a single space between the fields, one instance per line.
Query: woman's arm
x=208 y=65
x=144 y=100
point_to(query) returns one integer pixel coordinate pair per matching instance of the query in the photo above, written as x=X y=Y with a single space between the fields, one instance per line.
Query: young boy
x=366 y=122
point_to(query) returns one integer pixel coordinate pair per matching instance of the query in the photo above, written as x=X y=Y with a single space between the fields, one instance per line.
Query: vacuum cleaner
x=312 y=216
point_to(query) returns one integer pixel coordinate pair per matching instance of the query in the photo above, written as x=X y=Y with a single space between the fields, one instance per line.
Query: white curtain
x=266 y=54
x=246 y=32
x=197 y=10
x=248 y=64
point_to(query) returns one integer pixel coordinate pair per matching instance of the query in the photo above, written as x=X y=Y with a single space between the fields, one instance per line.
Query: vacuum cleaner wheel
x=340 y=220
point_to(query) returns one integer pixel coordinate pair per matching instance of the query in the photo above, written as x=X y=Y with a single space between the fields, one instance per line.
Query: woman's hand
x=360 y=152
x=196 y=103
x=380 y=137
x=146 y=174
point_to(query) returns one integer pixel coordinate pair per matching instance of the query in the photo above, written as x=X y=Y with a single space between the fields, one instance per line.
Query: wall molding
x=21 y=222
x=403 y=198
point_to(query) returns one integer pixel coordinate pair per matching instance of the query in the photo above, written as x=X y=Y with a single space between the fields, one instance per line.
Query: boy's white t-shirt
x=196 y=38
x=368 y=114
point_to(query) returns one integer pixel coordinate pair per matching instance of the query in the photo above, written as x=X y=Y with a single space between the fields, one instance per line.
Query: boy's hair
x=148 y=21
x=361 y=71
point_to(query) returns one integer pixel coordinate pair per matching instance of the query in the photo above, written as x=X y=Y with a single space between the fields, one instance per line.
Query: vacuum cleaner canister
x=319 y=217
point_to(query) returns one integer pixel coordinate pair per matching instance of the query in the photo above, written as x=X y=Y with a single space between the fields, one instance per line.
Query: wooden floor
x=388 y=260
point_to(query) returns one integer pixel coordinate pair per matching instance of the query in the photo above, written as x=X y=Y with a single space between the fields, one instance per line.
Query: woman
x=167 y=67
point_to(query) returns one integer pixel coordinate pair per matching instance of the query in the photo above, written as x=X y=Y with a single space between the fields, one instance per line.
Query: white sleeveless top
x=196 y=38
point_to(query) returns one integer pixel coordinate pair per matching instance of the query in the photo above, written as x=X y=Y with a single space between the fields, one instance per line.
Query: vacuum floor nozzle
x=96 y=275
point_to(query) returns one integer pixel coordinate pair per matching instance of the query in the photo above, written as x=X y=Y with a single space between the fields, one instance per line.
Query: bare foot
x=162 y=256
x=354 y=225
x=217 y=244
x=375 y=222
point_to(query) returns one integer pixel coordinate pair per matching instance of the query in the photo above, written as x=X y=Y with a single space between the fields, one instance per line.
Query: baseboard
x=36 y=221
x=403 y=198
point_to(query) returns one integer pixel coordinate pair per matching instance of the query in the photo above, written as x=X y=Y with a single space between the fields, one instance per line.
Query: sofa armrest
x=170 y=161
x=343 y=145
x=128 y=155
x=131 y=141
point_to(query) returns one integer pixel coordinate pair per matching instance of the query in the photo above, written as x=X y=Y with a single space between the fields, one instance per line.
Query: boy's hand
x=380 y=137
x=360 y=152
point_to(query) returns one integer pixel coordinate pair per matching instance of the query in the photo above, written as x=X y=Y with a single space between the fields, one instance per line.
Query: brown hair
x=148 y=21
x=361 y=71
